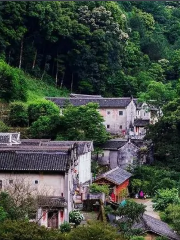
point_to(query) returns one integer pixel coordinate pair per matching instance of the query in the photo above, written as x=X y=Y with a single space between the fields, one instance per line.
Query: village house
x=118 y=180
x=125 y=153
x=153 y=228
x=54 y=169
x=122 y=116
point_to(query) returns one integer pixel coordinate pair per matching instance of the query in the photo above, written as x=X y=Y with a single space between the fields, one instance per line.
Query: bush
x=95 y=188
x=42 y=108
x=65 y=227
x=94 y=231
x=18 y=116
x=75 y=217
x=22 y=230
x=12 y=83
x=164 y=197
x=3 y=127
x=137 y=238
x=45 y=127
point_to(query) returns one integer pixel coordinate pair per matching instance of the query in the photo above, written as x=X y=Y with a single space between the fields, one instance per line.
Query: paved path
x=149 y=209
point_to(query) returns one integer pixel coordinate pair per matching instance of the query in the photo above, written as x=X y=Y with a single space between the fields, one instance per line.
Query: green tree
x=164 y=197
x=40 y=108
x=18 y=116
x=3 y=127
x=83 y=123
x=95 y=230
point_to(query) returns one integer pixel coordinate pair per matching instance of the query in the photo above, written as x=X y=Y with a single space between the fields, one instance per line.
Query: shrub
x=22 y=230
x=3 y=127
x=95 y=188
x=44 y=127
x=12 y=83
x=75 y=217
x=65 y=227
x=41 y=108
x=93 y=231
x=18 y=116
x=164 y=197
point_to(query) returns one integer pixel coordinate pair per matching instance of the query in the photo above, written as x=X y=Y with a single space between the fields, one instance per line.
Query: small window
x=120 y=113
x=108 y=112
x=108 y=126
x=36 y=182
x=10 y=181
x=0 y=184
x=120 y=126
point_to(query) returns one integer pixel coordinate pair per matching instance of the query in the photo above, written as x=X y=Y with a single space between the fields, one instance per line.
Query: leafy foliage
x=95 y=230
x=75 y=217
x=65 y=227
x=41 y=108
x=95 y=188
x=171 y=215
x=164 y=197
x=3 y=127
x=83 y=123
x=23 y=230
x=18 y=116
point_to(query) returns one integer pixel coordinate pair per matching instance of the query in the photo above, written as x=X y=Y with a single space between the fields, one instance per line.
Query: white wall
x=50 y=184
x=84 y=168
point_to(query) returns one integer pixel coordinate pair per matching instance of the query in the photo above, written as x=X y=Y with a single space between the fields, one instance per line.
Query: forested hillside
x=124 y=48
x=108 y=48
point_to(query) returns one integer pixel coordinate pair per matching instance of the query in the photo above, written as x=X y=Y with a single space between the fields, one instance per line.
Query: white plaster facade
x=119 y=120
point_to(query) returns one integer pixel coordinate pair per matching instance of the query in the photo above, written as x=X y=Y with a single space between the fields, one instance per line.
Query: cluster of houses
x=59 y=172
x=122 y=116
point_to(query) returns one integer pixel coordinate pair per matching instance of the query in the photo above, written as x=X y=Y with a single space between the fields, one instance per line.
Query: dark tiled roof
x=154 y=225
x=33 y=161
x=33 y=142
x=51 y=201
x=103 y=102
x=74 y=95
x=114 y=144
x=82 y=146
x=141 y=122
x=116 y=176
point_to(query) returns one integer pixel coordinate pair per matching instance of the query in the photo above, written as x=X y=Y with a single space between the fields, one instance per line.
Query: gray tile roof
x=150 y=224
x=116 y=176
x=52 y=202
x=33 y=161
x=82 y=146
x=103 y=102
x=33 y=142
x=114 y=144
x=74 y=95
x=141 y=122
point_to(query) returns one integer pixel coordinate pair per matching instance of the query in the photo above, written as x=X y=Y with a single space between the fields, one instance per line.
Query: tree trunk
x=9 y=57
x=21 y=52
x=34 y=60
x=72 y=83
x=62 y=80
x=56 y=73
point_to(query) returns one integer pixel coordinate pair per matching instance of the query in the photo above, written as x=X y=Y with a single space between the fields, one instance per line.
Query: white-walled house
x=53 y=170
x=118 y=113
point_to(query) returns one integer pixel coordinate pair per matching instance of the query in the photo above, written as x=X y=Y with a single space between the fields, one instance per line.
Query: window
x=36 y=182
x=108 y=112
x=120 y=113
x=10 y=181
x=108 y=126
x=0 y=184
x=120 y=126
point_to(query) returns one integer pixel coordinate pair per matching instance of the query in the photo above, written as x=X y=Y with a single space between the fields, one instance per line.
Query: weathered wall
x=50 y=184
x=84 y=167
x=127 y=154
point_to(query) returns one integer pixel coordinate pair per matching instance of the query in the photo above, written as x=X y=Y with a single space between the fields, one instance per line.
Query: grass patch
x=37 y=89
